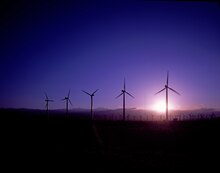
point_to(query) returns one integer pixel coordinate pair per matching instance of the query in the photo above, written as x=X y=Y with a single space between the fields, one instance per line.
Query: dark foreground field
x=36 y=144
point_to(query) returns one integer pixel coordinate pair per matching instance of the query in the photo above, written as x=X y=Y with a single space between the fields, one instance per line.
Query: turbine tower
x=167 y=88
x=47 y=100
x=67 y=99
x=123 y=92
x=91 y=96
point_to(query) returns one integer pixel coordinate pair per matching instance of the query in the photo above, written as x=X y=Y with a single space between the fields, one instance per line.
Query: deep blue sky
x=53 y=46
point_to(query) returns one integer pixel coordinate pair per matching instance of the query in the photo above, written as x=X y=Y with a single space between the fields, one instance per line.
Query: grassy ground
x=34 y=143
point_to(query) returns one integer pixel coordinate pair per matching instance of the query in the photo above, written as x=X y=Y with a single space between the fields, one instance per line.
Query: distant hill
x=116 y=114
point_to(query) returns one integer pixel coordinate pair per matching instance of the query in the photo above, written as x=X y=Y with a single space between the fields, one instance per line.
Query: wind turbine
x=67 y=99
x=123 y=92
x=47 y=100
x=91 y=96
x=167 y=88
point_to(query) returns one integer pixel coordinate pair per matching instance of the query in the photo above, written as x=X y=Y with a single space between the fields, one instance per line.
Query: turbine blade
x=167 y=78
x=46 y=95
x=63 y=99
x=129 y=94
x=124 y=84
x=94 y=92
x=119 y=95
x=69 y=93
x=86 y=93
x=159 y=91
x=174 y=90
x=70 y=102
x=51 y=100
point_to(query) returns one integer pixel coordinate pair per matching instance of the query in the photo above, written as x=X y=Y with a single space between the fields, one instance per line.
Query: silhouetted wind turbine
x=167 y=88
x=67 y=99
x=91 y=96
x=123 y=92
x=47 y=103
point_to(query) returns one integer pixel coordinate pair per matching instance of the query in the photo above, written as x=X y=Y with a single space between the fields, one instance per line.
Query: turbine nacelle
x=67 y=99
x=48 y=100
x=124 y=92
x=91 y=96
x=167 y=88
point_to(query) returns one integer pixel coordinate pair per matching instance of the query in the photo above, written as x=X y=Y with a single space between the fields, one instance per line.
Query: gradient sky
x=53 y=46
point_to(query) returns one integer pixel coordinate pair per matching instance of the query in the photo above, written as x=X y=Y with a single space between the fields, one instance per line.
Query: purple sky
x=88 y=45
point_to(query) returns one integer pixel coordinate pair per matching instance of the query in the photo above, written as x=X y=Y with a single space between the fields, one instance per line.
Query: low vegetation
x=33 y=142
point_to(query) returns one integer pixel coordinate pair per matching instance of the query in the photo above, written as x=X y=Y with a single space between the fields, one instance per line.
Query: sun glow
x=160 y=106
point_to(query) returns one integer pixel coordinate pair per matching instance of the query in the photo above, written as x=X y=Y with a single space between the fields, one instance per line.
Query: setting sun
x=160 y=106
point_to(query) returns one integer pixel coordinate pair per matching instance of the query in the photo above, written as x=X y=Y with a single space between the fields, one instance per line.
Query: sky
x=52 y=46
